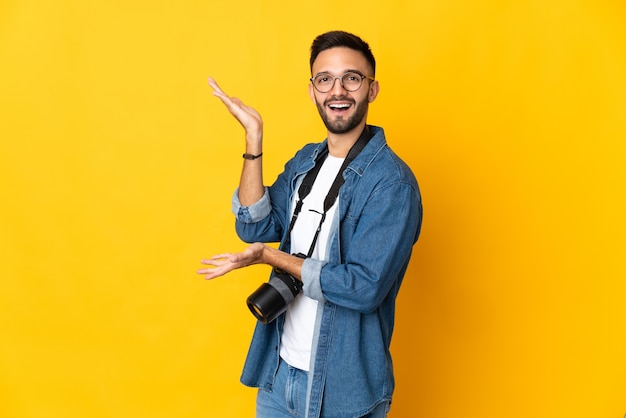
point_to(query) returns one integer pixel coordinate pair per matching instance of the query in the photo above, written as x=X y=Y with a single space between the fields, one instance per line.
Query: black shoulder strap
x=358 y=146
x=307 y=184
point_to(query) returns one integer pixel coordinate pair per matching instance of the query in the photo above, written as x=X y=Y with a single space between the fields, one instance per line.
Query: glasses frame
x=340 y=78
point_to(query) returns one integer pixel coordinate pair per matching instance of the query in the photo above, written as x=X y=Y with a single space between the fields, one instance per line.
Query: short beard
x=342 y=126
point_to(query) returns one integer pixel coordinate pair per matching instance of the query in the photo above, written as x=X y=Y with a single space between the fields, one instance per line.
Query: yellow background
x=117 y=168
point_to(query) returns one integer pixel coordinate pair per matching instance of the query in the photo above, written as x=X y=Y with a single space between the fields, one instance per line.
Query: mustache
x=339 y=99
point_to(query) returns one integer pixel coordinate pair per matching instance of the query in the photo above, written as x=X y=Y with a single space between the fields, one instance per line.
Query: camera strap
x=307 y=185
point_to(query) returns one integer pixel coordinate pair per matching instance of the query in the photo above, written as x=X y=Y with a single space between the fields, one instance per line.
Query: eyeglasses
x=350 y=81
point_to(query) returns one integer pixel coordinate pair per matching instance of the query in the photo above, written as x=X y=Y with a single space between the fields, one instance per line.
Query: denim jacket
x=377 y=222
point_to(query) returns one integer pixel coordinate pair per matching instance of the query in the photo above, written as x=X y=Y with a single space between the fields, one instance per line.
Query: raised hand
x=247 y=116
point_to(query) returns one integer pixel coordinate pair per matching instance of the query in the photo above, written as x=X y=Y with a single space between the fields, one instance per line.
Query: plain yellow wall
x=117 y=166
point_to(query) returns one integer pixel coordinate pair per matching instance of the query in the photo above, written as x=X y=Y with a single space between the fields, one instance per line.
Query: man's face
x=342 y=110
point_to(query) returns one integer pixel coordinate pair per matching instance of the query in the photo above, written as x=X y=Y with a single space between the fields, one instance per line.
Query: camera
x=272 y=298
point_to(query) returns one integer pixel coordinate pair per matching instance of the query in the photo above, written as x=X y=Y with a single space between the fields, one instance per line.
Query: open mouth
x=339 y=107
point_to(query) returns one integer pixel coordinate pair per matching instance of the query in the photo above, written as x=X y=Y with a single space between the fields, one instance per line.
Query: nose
x=337 y=86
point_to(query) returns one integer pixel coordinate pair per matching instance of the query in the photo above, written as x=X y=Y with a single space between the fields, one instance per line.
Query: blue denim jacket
x=378 y=220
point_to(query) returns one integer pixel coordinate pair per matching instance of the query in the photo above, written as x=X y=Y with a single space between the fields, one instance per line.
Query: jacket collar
x=365 y=157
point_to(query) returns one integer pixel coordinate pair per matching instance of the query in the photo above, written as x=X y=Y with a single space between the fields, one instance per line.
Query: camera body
x=272 y=298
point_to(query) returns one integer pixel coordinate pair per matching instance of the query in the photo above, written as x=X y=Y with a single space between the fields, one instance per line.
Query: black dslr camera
x=271 y=298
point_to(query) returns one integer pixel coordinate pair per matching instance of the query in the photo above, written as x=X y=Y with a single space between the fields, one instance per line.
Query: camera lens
x=266 y=303
x=271 y=299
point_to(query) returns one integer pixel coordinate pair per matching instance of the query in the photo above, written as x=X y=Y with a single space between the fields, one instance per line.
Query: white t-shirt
x=297 y=336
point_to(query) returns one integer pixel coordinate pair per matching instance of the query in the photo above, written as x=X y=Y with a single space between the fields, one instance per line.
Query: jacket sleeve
x=376 y=245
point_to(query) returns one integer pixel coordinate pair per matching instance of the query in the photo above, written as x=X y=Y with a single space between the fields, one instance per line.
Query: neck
x=340 y=144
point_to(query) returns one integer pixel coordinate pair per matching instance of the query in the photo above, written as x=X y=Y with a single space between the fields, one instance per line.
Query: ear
x=312 y=93
x=373 y=92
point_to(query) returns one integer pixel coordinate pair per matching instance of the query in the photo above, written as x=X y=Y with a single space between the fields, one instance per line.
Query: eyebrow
x=350 y=70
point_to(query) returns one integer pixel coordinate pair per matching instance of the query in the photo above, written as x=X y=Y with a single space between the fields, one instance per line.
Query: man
x=328 y=355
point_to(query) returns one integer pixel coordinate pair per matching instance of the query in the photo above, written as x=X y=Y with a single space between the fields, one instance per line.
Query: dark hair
x=338 y=38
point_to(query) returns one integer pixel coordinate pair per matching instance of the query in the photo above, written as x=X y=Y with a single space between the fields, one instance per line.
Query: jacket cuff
x=253 y=213
x=311 y=273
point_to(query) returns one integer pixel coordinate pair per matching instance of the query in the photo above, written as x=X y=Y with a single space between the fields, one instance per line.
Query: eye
x=322 y=79
x=351 y=77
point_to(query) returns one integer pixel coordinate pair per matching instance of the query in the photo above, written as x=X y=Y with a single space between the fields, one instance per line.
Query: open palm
x=247 y=116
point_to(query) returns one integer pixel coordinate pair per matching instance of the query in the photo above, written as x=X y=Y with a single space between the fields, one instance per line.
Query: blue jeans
x=288 y=396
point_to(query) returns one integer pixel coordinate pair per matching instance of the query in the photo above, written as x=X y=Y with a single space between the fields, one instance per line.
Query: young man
x=328 y=354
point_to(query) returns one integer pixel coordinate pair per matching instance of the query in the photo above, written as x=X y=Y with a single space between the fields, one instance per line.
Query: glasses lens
x=323 y=82
x=351 y=81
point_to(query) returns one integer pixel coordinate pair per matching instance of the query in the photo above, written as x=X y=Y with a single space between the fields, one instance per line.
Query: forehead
x=340 y=59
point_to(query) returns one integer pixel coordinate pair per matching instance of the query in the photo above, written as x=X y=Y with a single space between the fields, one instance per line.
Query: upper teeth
x=340 y=105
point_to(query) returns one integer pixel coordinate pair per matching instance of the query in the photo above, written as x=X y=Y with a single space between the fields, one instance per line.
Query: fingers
x=216 y=88
x=217 y=91
x=247 y=116
x=218 y=269
x=238 y=102
x=212 y=273
x=233 y=104
x=218 y=260
x=220 y=264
